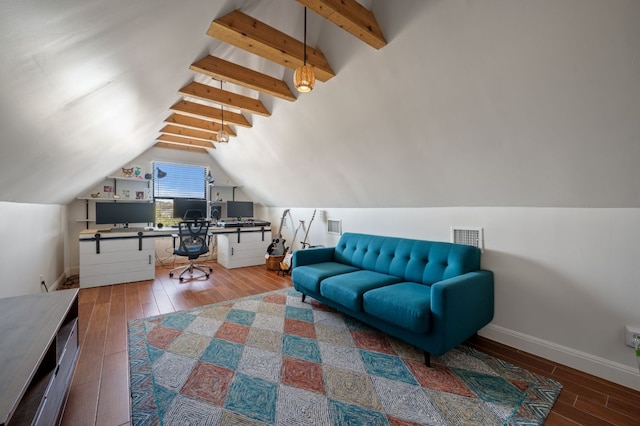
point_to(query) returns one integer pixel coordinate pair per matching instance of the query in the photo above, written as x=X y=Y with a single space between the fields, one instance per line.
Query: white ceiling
x=471 y=103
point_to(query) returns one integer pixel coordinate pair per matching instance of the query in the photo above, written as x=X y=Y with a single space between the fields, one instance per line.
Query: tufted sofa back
x=425 y=262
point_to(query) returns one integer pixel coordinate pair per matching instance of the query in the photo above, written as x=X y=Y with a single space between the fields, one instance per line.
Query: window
x=170 y=181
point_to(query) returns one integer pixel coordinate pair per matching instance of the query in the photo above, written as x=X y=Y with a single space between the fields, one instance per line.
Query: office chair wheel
x=181 y=279
x=171 y=275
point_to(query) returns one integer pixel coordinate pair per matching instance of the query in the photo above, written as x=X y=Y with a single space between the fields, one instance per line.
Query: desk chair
x=193 y=244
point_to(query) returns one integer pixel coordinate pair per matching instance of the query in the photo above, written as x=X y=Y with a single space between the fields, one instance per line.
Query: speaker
x=216 y=212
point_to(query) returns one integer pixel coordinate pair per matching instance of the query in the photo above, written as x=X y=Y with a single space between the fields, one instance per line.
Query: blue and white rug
x=273 y=360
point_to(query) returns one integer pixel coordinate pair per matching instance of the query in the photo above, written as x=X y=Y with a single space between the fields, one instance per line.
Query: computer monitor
x=125 y=213
x=189 y=209
x=240 y=209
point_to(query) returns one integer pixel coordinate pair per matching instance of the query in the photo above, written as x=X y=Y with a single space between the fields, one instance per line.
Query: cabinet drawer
x=109 y=246
x=61 y=379
x=140 y=261
x=251 y=238
x=249 y=252
x=115 y=257
x=69 y=353
x=114 y=268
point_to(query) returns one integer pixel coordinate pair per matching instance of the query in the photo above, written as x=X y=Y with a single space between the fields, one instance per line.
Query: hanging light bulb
x=223 y=136
x=303 y=77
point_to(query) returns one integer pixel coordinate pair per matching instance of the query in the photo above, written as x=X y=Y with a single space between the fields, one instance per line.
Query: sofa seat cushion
x=309 y=276
x=347 y=289
x=406 y=305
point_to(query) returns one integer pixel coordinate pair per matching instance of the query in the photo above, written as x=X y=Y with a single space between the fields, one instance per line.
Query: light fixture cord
x=221 y=111
x=305 y=36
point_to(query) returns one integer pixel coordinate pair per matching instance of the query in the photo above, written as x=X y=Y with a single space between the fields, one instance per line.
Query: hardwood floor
x=100 y=388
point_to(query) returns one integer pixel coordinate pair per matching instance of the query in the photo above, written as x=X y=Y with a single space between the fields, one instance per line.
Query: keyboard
x=242 y=224
x=229 y=224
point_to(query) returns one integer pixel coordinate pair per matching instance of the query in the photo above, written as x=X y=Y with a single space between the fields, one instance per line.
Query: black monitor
x=240 y=209
x=125 y=213
x=189 y=209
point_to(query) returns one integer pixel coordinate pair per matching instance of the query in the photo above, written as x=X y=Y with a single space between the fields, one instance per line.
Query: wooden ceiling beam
x=352 y=17
x=197 y=124
x=219 y=96
x=245 y=77
x=249 y=34
x=185 y=141
x=205 y=112
x=181 y=147
x=170 y=129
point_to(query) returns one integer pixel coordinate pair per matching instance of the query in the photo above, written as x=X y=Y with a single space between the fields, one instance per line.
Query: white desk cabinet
x=119 y=260
x=248 y=251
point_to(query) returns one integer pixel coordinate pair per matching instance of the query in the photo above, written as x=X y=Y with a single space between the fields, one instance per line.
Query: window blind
x=179 y=180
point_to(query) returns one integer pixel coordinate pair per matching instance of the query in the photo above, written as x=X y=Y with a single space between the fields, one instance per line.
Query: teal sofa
x=430 y=294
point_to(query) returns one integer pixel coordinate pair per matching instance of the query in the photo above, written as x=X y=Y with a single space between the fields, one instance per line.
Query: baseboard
x=596 y=366
x=61 y=279
x=71 y=271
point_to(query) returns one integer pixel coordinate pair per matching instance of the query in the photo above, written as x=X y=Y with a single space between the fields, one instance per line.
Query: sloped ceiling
x=471 y=103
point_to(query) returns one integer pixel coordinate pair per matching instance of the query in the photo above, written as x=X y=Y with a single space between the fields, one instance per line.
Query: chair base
x=190 y=268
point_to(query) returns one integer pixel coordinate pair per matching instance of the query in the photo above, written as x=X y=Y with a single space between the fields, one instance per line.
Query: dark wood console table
x=38 y=352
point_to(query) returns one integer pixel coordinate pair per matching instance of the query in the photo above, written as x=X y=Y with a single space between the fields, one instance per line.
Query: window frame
x=164 y=200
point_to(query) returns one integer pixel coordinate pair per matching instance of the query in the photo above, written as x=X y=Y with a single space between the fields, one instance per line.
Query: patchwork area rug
x=273 y=360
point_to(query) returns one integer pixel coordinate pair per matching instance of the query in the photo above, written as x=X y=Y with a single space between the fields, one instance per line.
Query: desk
x=119 y=257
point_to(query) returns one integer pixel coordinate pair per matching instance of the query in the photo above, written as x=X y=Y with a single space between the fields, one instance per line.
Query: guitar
x=285 y=265
x=277 y=248
x=304 y=242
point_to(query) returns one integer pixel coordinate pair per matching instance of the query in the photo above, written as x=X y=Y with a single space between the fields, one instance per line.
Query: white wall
x=567 y=280
x=33 y=244
x=471 y=103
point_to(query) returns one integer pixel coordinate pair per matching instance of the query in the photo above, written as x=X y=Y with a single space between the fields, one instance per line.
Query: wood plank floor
x=100 y=388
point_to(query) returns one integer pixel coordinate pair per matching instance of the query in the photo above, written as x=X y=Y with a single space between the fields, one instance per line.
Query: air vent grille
x=471 y=236
x=334 y=226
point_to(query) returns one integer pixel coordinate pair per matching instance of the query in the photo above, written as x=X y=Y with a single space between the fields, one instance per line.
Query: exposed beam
x=181 y=147
x=245 y=77
x=249 y=34
x=352 y=17
x=170 y=129
x=233 y=100
x=193 y=109
x=197 y=124
x=185 y=141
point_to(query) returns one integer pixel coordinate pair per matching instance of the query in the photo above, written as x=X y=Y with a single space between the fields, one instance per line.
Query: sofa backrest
x=425 y=262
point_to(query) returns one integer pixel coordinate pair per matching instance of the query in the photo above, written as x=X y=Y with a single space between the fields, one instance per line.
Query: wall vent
x=334 y=226
x=471 y=236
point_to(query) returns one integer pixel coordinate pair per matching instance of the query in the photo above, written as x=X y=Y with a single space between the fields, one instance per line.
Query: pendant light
x=303 y=77
x=222 y=135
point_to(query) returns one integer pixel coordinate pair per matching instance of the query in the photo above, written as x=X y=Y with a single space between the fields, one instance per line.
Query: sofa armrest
x=312 y=255
x=462 y=305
